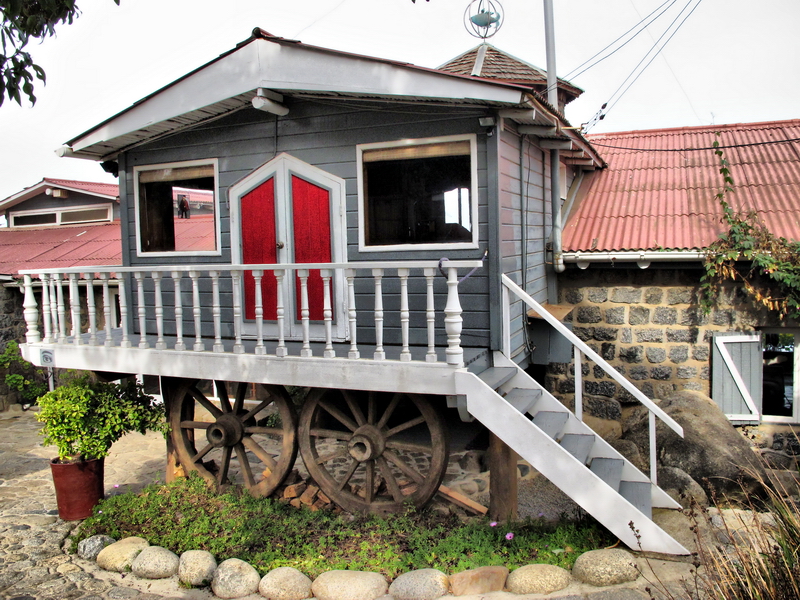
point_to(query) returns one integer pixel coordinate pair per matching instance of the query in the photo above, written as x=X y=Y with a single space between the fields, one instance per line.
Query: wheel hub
x=367 y=443
x=227 y=431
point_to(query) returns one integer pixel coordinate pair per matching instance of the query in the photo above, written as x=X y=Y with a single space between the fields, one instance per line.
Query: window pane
x=177 y=209
x=418 y=200
x=83 y=216
x=44 y=219
x=778 y=391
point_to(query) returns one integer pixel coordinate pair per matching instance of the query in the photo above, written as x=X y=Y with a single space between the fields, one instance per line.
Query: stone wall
x=649 y=325
x=12 y=327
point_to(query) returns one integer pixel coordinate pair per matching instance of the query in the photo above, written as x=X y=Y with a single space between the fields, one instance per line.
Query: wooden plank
x=462 y=500
x=502 y=480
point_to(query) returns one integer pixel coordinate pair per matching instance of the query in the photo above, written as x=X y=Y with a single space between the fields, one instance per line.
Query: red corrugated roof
x=106 y=189
x=659 y=193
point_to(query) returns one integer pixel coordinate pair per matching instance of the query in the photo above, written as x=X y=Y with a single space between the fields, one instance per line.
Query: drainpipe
x=555 y=158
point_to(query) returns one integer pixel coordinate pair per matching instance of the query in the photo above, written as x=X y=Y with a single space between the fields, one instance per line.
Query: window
x=781 y=366
x=82 y=214
x=418 y=194
x=176 y=208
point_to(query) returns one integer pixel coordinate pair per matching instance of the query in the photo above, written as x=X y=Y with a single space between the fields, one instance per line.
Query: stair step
x=523 y=399
x=609 y=470
x=638 y=494
x=494 y=377
x=550 y=422
x=578 y=444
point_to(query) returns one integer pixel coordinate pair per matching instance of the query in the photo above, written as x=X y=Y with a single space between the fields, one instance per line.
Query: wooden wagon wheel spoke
x=255 y=448
x=222 y=394
x=403 y=466
x=380 y=486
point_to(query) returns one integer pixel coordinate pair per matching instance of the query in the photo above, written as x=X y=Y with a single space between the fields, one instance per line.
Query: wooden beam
x=579 y=161
x=537 y=130
x=502 y=480
x=169 y=385
x=555 y=144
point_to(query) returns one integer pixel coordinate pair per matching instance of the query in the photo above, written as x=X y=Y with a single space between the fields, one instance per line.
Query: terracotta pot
x=79 y=487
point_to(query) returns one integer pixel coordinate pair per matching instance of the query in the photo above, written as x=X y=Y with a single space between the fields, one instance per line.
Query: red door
x=293 y=226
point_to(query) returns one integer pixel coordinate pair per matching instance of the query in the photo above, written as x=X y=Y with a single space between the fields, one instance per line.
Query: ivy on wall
x=767 y=266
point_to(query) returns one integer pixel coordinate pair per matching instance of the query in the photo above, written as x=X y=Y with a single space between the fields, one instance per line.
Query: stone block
x=661 y=373
x=235 y=578
x=655 y=354
x=680 y=296
x=538 y=579
x=686 y=372
x=605 y=567
x=598 y=372
x=566 y=386
x=285 y=583
x=155 y=562
x=653 y=295
x=616 y=315
x=584 y=333
x=588 y=314
x=573 y=296
x=631 y=354
x=422 y=584
x=600 y=388
x=196 y=567
x=119 y=556
x=705 y=373
x=638 y=373
x=603 y=407
x=723 y=318
x=608 y=351
x=625 y=335
x=597 y=295
x=649 y=336
x=624 y=295
x=693 y=316
x=664 y=315
x=700 y=352
x=638 y=315
x=679 y=354
x=482 y=580
x=605 y=334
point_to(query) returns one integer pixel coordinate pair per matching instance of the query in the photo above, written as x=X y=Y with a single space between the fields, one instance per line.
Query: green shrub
x=28 y=381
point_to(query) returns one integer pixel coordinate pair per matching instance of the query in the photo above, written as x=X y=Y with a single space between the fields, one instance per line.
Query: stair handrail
x=598 y=360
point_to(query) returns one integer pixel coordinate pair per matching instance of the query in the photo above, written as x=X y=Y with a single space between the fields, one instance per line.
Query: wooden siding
x=45 y=202
x=524 y=197
x=325 y=135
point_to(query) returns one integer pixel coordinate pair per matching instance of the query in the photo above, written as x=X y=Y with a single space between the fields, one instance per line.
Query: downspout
x=555 y=155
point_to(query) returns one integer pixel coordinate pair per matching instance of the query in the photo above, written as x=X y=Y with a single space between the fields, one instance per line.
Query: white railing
x=181 y=308
x=580 y=348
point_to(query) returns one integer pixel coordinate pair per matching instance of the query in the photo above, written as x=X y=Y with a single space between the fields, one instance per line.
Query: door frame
x=282 y=168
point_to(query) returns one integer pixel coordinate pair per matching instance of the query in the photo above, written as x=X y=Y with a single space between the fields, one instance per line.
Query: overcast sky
x=731 y=61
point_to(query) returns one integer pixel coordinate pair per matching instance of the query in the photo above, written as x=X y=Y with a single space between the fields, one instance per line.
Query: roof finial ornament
x=483 y=18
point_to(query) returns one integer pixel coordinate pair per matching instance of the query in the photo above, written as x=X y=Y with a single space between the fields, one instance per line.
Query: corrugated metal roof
x=93 y=187
x=659 y=189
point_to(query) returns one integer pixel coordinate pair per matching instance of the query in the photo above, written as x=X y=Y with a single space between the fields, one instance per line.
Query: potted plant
x=83 y=418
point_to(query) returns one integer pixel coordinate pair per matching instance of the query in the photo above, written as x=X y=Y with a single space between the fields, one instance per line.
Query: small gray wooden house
x=376 y=234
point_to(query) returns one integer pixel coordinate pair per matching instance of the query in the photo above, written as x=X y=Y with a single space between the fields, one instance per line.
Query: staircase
x=562 y=448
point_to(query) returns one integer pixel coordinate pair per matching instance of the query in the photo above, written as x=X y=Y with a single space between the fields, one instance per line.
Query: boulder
x=478 y=581
x=119 y=555
x=605 y=567
x=422 y=584
x=89 y=548
x=711 y=452
x=285 y=583
x=235 y=578
x=155 y=562
x=352 y=585
x=682 y=488
x=537 y=579
x=196 y=567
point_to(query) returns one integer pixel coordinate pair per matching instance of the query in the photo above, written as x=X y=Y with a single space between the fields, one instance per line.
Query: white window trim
x=58 y=212
x=795 y=416
x=217 y=229
x=473 y=147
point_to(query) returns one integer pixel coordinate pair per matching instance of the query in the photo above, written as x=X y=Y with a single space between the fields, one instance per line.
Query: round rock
x=155 y=562
x=285 y=583
x=89 y=548
x=119 y=555
x=537 y=579
x=235 y=578
x=196 y=567
x=353 y=585
x=423 y=584
x=605 y=567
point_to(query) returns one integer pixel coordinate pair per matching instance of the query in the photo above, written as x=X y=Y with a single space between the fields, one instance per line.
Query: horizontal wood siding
x=525 y=201
x=325 y=135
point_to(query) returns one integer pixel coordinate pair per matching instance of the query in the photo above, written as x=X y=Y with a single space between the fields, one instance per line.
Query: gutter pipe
x=642 y=258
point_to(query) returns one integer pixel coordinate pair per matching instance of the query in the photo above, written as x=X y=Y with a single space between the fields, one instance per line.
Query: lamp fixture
x=269 y=102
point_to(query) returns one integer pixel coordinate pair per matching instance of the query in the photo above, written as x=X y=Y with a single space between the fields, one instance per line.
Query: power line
x=593 y=143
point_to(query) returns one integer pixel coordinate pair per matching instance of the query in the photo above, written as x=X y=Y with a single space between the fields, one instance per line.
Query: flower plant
x=84 y=417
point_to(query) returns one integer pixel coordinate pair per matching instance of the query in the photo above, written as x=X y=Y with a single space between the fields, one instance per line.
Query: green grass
x=186 y=515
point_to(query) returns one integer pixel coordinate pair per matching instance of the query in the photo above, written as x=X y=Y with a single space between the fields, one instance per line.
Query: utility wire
x=789 y=141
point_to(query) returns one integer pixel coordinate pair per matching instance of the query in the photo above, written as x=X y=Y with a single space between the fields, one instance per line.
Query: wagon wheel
x=373 y=452
x=260 y=435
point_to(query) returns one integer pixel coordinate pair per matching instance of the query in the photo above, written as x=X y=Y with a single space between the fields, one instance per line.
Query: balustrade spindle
x=405 y=353
x=578 y=358
x=54 y=305
x=199 y=346
x=430 y=315
x=75 y=308
x=280 y=276
x=160 y=343
x=48 y=329
x=176 y=284
x=123 y=313
x=453 y=321
x=327 y=312
x=30 y=312
x=259 y=309
x=305 y=351
x=216 y=312
x=91 y=309
x=62 y=312
x=350 y=274
x=377 y=275
x=238 y=347
x=106 y=309
x=139 y=277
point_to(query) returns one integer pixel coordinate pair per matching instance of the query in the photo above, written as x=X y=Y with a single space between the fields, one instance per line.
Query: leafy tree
x=24 y=20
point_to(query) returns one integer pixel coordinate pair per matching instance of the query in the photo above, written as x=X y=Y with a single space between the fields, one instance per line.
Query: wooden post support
x=502 y=480
x=169 y=385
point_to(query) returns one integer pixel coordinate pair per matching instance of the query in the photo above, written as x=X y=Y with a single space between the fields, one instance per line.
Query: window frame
x=473 y=156
x=217 y=227
x=12 y=215
x=794 y=418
